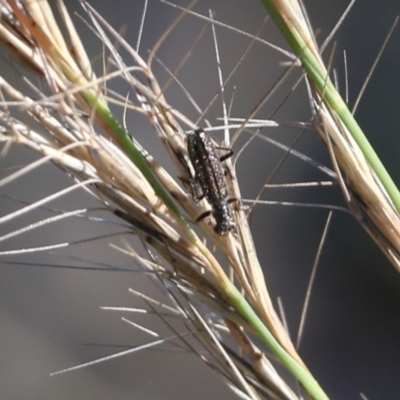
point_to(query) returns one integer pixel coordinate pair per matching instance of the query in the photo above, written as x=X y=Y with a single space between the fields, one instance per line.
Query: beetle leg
x=203 y=215
x=229 y=153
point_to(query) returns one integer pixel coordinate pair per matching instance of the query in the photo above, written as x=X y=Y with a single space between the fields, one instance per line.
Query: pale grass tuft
x=368 y=189
x=79 y=133
x=128 y=182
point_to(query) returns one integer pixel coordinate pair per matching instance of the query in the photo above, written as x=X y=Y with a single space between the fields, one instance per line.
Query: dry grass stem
x=364 y=190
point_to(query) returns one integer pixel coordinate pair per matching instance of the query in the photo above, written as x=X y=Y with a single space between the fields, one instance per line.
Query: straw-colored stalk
x=369 y=190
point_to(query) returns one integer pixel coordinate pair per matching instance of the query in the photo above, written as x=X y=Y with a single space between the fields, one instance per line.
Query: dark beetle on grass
x=209 y=180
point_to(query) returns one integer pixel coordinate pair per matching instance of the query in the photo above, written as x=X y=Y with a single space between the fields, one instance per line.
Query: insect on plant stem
x=209 y=180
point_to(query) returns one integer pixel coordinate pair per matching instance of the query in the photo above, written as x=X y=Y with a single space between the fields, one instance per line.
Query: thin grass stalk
x=369 y=180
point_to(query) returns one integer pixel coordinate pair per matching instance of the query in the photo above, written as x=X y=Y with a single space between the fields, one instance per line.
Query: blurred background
x=50 y=317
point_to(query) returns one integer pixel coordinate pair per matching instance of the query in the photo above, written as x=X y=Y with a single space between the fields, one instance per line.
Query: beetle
x=209 y=180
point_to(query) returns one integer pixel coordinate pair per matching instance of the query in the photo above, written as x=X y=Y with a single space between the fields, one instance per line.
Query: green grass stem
x=299 y=372
x=327 y=90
